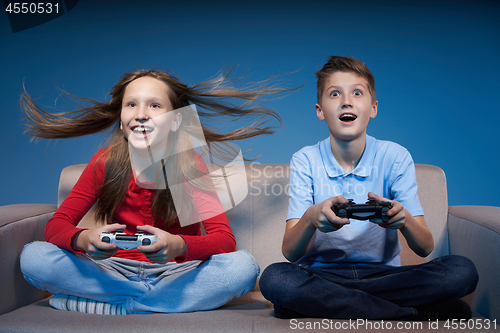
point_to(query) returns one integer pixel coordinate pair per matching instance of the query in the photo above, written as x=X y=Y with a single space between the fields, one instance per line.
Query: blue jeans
x=144 y=287
x=367 y=291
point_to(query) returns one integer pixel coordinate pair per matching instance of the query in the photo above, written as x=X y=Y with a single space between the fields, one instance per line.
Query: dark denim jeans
x=367 y=291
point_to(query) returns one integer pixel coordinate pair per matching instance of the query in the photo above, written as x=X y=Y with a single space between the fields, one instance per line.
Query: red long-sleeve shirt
x=136 y=210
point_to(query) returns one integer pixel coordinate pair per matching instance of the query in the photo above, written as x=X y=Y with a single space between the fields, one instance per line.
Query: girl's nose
x=141 y=113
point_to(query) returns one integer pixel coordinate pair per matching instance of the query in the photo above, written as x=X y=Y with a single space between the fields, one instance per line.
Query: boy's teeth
x=348 y=117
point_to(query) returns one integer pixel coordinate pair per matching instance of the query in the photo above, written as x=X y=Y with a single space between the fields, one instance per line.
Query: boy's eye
x=334 y=94
x=357 y=93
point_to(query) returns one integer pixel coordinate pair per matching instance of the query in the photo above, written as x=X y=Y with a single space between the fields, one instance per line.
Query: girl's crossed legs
x=143 y=287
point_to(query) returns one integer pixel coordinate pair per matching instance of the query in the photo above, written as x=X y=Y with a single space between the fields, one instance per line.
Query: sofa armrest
x=474 y=232
x=19 y=225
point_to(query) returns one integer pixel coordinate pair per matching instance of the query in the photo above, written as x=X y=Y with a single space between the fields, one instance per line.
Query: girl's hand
x=323 y=218
x=166 y=248
x=90 y=242
x=396 y=214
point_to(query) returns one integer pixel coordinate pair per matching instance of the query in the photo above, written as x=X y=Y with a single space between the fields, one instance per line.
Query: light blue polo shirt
x=385 y=169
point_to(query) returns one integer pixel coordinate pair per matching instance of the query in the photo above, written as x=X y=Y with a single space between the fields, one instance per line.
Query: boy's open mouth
x=348 y=117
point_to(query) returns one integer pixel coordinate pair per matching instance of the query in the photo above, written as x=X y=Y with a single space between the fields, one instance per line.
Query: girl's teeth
x=142 y=130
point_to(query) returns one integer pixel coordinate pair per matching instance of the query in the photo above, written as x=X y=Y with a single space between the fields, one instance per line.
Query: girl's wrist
x=182 y=246
x=80 y=241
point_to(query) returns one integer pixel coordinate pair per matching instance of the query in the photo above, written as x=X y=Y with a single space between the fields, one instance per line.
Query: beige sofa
x=258 y=223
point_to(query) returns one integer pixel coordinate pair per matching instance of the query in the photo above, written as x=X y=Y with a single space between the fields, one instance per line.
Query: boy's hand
x=322 y=217
x=299 y=232
x=90 y=242
x=167 y=248
x=396 y=214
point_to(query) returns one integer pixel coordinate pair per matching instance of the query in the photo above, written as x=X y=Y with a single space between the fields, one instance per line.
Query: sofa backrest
x=258 y=222
x=433 y=194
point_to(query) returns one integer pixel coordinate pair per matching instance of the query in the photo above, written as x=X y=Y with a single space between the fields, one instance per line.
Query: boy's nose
x=346 y=102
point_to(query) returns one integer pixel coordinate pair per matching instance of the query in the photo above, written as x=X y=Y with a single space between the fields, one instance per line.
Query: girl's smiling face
x=145 y=117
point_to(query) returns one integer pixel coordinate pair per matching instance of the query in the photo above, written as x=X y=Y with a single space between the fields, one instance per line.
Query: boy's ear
x=319 y=112
x=374 y=110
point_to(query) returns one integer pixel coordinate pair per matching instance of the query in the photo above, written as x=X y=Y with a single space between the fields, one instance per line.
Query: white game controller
x=128 y=242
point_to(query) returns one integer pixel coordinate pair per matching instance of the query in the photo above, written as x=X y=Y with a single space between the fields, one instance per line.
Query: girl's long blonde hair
x=212 y=101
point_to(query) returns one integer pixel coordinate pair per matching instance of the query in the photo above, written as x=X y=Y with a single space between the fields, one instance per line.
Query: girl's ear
x=121 y=125
x=177 y=122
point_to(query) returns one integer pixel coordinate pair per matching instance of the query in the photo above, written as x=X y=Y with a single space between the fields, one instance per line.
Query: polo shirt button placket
x=348 y=184
x=349 y=188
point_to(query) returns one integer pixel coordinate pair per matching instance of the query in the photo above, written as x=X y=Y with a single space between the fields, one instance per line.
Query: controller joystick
x=367 y=211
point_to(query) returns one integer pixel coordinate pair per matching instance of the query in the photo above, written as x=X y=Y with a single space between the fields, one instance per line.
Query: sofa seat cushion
x=248 y=313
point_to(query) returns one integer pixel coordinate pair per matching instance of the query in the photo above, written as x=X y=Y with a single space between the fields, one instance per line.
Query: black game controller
x=128 y=242
x=367 y=211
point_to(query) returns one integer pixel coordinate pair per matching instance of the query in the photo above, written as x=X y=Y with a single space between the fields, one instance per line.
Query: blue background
x=436 y=65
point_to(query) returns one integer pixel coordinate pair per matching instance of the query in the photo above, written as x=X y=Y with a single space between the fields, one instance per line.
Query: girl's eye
x=334 y=94
x=131 y=104
x=155 y=106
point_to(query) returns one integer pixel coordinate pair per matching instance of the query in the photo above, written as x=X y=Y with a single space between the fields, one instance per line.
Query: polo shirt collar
x=334 y=170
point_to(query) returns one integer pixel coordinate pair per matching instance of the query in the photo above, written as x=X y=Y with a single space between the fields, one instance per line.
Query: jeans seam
x=110 y=269
x=354 y=273
x=256 y=266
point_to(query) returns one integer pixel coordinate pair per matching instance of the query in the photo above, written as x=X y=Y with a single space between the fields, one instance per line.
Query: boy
x=350 y=269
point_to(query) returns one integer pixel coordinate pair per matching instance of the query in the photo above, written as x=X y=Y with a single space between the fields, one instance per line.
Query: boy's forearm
x=417 y=235
x=297 y=237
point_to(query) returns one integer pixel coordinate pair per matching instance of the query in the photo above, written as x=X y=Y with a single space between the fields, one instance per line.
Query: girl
x=183 y=271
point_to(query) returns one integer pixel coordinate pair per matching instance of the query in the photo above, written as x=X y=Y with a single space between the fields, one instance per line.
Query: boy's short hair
x=344 y=64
